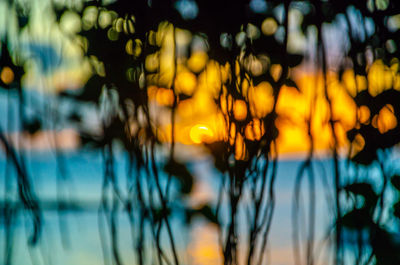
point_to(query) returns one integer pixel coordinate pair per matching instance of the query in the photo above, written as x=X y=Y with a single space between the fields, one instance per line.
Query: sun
x=201 y=133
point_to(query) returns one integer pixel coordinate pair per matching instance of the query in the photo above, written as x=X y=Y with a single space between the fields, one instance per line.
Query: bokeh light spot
x=386 y=119
x=197 y=61
x=165 y=97
x=240 y=110
x=7 y=75
x=261 y=99
x=185 y=82
x=364 y=114
x=269 y=26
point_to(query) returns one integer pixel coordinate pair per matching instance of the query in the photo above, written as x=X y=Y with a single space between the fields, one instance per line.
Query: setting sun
x=201 y=133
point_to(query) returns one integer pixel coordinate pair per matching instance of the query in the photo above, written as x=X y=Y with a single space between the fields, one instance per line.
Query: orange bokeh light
x=7 y=75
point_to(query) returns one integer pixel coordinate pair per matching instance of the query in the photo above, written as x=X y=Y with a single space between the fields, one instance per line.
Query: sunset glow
x=293 y=107
x=200 y=132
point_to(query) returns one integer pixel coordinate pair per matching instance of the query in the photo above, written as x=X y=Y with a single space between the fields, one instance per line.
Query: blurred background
x=199 y=132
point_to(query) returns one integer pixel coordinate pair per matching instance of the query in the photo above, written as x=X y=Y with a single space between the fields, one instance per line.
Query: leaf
x=219 y=151
x=91 y=141
x=204 y=211
x=189 y=214
x=208 y=213
x=357 y=219
x=75 y=117
x=32 y=126
x=396 y=181
x=92 y=90
x=115 y=130
x=22 y=21
x=365 y=190
x=351 y=134
x=289 y=82
x=362 y=188
x=365 y=157
x=58 y=14
x=294 y=59
x=181 y=173
x=396 y=209
x=183 y=96
x=386 y=245
x=308 y=20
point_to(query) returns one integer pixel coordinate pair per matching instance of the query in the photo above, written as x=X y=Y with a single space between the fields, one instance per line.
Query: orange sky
x=198 y=118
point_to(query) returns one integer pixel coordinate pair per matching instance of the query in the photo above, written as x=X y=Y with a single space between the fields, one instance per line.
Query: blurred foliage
x=142 y=52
